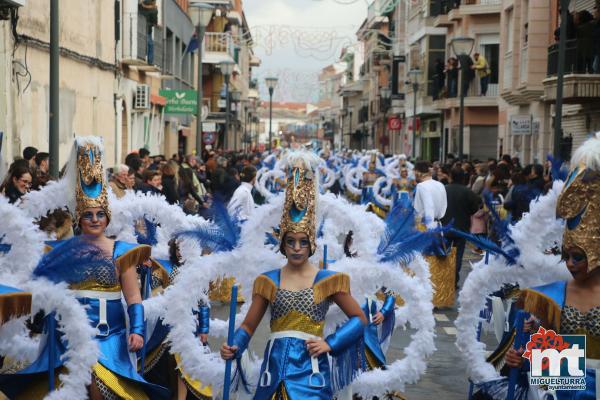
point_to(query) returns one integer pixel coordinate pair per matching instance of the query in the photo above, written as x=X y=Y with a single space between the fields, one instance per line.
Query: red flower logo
x=542 y=340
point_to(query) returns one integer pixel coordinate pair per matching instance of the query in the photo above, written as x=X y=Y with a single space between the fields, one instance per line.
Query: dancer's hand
x=203 y=338
x=316 y=347
x=513 y=358
x=378 y=318
x=135 y=342
x=228 y=352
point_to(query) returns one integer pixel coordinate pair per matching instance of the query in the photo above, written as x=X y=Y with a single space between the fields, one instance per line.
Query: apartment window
x=437 y=51
x=525 y=22
x=169 y=61
x=491 y=53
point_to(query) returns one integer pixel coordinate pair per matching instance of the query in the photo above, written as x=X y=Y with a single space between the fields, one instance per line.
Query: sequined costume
x=288 y=371
x=548 y=304
x=96 y=286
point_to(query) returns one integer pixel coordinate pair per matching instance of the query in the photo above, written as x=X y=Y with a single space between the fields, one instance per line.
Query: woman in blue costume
x=295 y=364
x=99 y=270
x=573 y=307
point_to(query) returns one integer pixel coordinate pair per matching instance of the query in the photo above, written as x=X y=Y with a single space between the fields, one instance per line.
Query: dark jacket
x=12 y=194
x=170 y=189
x=462 y=203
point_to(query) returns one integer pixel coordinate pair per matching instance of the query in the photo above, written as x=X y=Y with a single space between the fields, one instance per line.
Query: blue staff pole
x=325 y=257
x=232 y=312
x=146 y=293
x=519 y=342
x=51 y=325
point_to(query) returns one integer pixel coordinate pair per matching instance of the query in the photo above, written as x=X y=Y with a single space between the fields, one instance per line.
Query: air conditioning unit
x=142 y=97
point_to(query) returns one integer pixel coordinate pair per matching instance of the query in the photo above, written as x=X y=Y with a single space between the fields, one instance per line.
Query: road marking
x=441 y=318
x=450 y=331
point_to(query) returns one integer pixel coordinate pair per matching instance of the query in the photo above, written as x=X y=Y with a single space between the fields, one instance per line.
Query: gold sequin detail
x=220 y=290
x=90 y=172
x=198 y=388
x=122 y=387
x=296 y=321
x=442 y=271
x=582 y=195
x=300 y=195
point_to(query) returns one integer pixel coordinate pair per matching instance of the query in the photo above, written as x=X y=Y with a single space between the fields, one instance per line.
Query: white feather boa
x=16 y=267
x=252 y=258
x=537 y=230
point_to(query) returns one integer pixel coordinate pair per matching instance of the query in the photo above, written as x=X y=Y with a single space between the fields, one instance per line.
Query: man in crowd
x=242 y=202
x=29 y=155
x=462 y=204
x=123 y=179
x=42 y=167
x=430 y=196
x=152 y=182
x=483 y=71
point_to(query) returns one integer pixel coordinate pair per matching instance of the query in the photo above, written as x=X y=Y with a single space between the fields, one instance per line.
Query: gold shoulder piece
x=336 y=283
x=543 y=307
x=265 y=287
x=133 y=257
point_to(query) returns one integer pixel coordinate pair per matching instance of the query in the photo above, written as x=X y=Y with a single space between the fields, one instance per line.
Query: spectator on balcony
x=451 y=72
x=570 y=27
x=469 y=73
x=483 y=71
x=584 y=27
x=596 y=40
x=438 y=79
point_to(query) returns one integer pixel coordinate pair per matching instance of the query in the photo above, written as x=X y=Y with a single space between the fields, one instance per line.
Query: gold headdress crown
x=90 y=183
x=299 y=209
x=579 y=202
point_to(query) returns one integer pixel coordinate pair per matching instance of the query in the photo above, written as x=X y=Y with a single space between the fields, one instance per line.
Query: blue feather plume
x=320 y=231
x=401 y=241
x=149 y=237
x=72 y=261
x=486 y=244
x=559 y=170
x=223 y=234
x=501 y=226
x=270 y=239
x=4 y=247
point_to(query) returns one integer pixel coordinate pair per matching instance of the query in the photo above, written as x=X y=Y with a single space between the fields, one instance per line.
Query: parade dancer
x=100 y=271
x=296 y=365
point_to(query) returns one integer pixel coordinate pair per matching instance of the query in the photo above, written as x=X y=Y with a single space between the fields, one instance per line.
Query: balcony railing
x=218 y=46
x=575 y=62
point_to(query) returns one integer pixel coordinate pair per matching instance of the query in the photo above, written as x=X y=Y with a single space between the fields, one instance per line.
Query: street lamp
x=200 y=14
x=271 y=83
x=236 y=95
x=462 y=47
x=226 y=68
x=414 y=75
x=350 y=111
x=364 y=103
x=343 y=114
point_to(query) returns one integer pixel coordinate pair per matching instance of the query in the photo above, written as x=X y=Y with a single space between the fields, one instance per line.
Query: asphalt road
x=445 y=378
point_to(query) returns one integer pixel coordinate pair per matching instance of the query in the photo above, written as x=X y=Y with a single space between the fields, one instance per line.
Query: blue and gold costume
x=288 y=371
x=374 y=353
x=548 y=303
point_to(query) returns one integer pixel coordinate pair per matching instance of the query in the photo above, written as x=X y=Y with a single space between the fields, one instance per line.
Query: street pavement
x=445 y=378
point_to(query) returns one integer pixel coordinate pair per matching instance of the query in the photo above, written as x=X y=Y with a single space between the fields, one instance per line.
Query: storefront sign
x=209 y=137
x=209 y=126
x=520 y=125
x=180 y=101
x=394 y=124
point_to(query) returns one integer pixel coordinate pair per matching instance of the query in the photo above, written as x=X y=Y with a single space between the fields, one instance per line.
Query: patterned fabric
x=574 y=321
x=104 y=275
x=301 y=301
x=104 y=390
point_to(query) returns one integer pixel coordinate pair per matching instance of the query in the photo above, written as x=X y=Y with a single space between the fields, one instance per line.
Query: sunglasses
x=291 y=243
x=575 y=257
x=90 y=216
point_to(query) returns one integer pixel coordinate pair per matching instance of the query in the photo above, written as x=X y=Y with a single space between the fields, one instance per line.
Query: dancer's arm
x=132 y=295
x=246 y=330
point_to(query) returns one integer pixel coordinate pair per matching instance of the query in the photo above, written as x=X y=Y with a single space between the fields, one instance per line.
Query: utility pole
x=54 y=134
x=564 y=5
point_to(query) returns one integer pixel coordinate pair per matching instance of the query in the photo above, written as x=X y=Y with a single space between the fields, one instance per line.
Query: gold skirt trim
x=14 y=305
x=443 y=276
x=123 y=388
x=196 y=387
x=220 y=290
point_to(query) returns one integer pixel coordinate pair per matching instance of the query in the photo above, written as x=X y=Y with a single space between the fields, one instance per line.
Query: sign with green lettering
x=180 y=101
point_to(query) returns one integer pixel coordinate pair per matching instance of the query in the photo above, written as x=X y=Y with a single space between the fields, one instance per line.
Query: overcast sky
x=296 y=38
